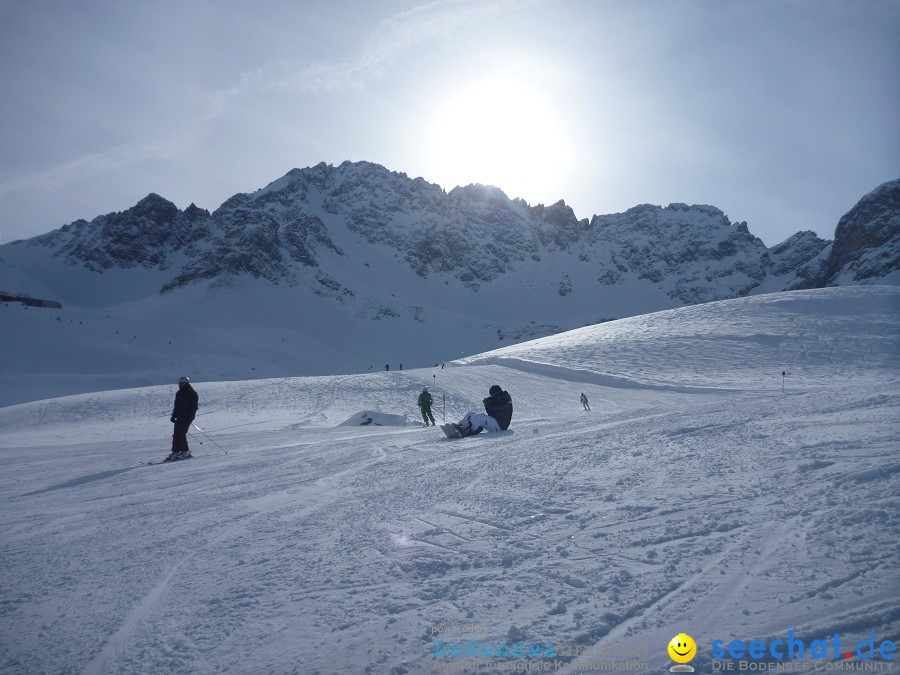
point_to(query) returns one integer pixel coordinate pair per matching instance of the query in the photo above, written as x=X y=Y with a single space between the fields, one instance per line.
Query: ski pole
x=195 y=437
x=207 y=436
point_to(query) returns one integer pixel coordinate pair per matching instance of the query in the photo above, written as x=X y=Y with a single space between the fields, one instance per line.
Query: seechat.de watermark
x=467 y=649
x=787 y=654
x=793 y=654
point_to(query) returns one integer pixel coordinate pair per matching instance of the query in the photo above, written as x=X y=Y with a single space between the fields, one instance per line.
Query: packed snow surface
x=703 y=493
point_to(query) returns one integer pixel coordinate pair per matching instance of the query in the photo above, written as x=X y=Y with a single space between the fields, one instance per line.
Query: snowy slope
x=247 y=331
x=694 y=497
x=742 y=343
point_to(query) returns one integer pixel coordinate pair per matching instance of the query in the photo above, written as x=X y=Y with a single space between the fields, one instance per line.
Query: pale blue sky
x=782 y=113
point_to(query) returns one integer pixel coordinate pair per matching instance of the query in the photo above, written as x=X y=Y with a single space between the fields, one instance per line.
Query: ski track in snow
x=317 y=548
x=101 y=662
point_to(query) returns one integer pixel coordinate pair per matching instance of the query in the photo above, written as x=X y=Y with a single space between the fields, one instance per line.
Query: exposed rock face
x=797 y=261
x=143 y=236
x=866 y=246
x=260 y=237
x=867 y=239
x=694 y=249
x=796 y=250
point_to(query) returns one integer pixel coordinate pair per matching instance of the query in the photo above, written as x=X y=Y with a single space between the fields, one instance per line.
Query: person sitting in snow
x=425 y=402
x=496 y=417
x=186 y=403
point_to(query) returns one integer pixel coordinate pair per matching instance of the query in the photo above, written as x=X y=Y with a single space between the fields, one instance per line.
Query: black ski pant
x=426 y=414
x=179 y=436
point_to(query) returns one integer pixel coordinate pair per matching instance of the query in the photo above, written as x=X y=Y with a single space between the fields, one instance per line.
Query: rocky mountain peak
x=153 y=209
x=867 y=237
x=144 y=235
x=194 y=212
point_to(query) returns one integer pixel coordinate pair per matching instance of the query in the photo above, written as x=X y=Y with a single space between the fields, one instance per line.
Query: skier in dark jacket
x=425 y=402
x=186 y=403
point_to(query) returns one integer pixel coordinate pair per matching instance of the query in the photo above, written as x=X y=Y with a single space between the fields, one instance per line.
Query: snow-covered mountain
x=348 y=268
x=866 y=244
x=703 y=493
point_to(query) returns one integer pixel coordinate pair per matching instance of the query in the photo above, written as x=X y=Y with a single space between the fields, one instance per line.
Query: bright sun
x=500 y=132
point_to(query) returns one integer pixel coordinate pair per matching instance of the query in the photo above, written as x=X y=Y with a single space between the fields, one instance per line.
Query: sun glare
x=499 y=132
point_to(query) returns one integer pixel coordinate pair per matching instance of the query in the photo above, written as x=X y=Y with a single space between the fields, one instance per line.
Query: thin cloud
x=89 y=165
x=390 y=38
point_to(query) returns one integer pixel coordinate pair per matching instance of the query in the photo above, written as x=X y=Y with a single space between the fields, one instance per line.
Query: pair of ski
x=167 y=460
x=172 y=458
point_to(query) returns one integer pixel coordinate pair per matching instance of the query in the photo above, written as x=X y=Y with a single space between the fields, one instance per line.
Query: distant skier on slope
x=425 y=402
x=584 y=402
x=183 y=413
x=497 y=416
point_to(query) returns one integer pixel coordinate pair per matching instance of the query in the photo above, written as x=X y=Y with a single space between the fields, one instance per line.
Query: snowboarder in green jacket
x=425 y=402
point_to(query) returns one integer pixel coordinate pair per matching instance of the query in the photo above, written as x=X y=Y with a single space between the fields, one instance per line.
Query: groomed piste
x=738 y=476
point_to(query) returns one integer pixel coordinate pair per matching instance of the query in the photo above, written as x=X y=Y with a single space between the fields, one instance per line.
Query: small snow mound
x=378 y=419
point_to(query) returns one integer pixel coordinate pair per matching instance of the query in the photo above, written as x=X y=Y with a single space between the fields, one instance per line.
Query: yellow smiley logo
x=682 y=648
